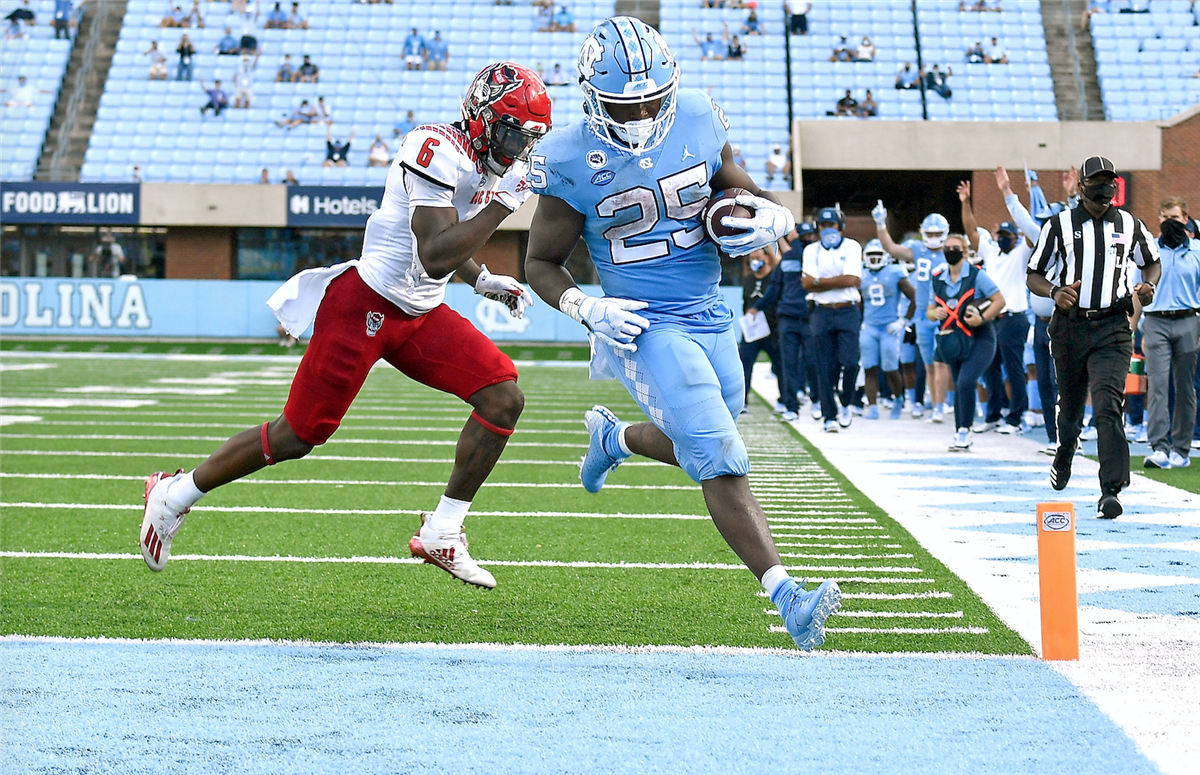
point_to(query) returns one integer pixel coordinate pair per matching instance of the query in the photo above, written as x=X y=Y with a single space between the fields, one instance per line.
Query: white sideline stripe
x=842 y=546
x=841 y=520
x=824 y=536
x=415 y=561
x=847 y=556
x=818 y=527
x=457 y=428
x=348 y=512
x=887 y=595
x=898 y=630
x=360 y=482
x=350 y=458
x=145 y=391
x=335 y=440
x=27 y=366
x=67 y=403
x=13 y=419
x=888 y=614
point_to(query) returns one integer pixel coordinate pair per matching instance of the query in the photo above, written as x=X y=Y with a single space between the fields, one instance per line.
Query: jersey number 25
x=684 y=196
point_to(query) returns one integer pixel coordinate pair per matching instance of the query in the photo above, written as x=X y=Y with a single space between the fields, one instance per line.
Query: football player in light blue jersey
x=925 y=255
x=633 y=180
x=882 y=284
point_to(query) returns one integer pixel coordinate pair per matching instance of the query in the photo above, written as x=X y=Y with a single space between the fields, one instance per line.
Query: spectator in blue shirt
x=709 y=49
x=286 y=73
x=437 y=53
x=228 y=45
x=908 y=78
x=174 y=18
x=276 y=19
x=62 y=19
x=14 y=31
x=414 y=50
x=296 y=21
x=404 y=127
x=752 y=26
x=564 y=20
x=217 y=100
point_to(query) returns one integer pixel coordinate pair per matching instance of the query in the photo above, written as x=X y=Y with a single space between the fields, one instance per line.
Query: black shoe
x=1060 y=469
x=1109 y=506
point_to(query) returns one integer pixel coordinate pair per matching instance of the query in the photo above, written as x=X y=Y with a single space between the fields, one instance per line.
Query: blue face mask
x=831 y=238
x=756 y=264
x=1006 y=242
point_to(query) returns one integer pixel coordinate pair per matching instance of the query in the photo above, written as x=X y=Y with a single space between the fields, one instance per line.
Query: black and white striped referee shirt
x=1096 y=251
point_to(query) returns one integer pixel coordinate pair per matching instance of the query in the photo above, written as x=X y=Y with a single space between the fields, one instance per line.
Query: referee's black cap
x=1096 y=165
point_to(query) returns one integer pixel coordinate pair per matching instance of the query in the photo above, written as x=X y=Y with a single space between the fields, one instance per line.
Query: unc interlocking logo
x=374 y=323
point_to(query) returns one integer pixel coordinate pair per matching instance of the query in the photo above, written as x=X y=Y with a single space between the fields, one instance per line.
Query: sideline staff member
x=1082 y=262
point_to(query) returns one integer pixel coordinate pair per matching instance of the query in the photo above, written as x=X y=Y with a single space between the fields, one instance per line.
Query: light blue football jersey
x=880 y=292
x=924 y=262
x=643 y=214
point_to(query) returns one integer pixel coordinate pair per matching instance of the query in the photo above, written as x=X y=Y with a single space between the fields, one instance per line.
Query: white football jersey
x=435 y=167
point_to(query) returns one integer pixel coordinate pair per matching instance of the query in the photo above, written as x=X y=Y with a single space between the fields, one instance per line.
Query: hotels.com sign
x=338 y=206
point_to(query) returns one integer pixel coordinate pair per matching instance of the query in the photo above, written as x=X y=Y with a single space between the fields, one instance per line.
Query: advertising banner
x=97 y=204
x=332 y=206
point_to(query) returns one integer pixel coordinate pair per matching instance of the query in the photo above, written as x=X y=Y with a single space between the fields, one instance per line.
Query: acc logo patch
x=1056 y=521
x=597 y=159
x=603 y=177
x=374 y=323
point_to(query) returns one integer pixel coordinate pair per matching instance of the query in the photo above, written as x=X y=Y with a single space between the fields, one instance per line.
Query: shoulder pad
x=437 y=152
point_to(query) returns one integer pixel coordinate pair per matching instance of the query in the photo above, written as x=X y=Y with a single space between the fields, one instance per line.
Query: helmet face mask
x=624 y=68
x=874 y=256
x=934 y=230
x=506 y=111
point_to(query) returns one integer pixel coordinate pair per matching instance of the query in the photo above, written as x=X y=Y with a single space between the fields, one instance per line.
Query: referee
x=1082 y=262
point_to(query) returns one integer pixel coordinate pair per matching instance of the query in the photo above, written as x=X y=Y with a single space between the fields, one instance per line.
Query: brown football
x=720 y=206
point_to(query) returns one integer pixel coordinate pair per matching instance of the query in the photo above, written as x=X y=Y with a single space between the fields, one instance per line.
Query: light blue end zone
x=181 y=708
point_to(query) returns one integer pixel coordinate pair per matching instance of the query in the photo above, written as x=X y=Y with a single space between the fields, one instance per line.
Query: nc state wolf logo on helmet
x=374 y=323
x=490 y=85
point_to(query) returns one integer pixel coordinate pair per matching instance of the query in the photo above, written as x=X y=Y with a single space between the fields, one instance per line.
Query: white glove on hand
x=896 y=326
x=513 y=189
x=612 y=320
x=880 y=214
x=770 y=223
x=504 y=289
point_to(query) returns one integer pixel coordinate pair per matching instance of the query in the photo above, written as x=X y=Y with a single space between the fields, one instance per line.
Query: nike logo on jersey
x=687 y=154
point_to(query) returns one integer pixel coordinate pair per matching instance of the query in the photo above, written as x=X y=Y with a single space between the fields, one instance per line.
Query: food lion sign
x=101 y=204
x=344 y=206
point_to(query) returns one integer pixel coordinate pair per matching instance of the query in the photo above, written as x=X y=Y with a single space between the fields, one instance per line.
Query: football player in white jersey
x=448 y=189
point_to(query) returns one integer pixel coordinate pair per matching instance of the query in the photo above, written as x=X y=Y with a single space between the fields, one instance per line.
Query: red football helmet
x=506 y=111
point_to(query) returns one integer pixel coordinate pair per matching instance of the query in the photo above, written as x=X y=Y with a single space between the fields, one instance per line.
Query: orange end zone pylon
x=1056 y=575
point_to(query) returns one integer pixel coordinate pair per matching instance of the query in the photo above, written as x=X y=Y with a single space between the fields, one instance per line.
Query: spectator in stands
x=865 y=51
x=243 y=82
x=137 y=174
x=217 y=99
x=324 y=112
x=158 y=62
x=738 y=159
x=752 y=26
x=777 y=162
x=842 y=51
x=14 y=31
x=296 y=20
x=557 y=77
x=404 y=127
x=545 y=17
x=276 y=19
x=996 y=54
x=710 y=50
x=305 y=114
x=309 y=72
x=908 y=78
x=286 y=73
x=564 y=20
x=414 y=50
x=336 y=153
x=846 y=106
x=1094 y=7
x=186 y=52
x=379 y=155
x=797 y=16
x=935 y=81
x=174 y=18
x=265 y=177
x=228 y=45
x=62 y=19
x=193 y=18
x=735 y=50
x=868 y=107
x=436 y=52
x=24 y=15
x=290 y=179
x=975 y=53
x=249 y=42
x=22 y=96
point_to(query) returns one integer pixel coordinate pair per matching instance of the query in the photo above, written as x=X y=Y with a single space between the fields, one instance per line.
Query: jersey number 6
x=688 y=184
x=425 y=155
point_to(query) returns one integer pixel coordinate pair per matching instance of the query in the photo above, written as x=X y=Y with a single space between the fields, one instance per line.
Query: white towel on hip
x=297 y=300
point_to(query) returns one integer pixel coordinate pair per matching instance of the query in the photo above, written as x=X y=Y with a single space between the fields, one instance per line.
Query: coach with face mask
x=1084 y=261
x=1171 y=338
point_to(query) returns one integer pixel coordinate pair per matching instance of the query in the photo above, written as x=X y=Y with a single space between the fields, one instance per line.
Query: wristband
x=570 y=300
x=1053 y=290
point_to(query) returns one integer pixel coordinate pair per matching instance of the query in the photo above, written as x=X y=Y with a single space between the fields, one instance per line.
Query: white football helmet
x=874 y=256
x=934 y=229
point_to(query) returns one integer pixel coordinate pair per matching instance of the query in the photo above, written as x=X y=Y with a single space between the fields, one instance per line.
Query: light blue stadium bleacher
x=1145 y=62
x=43 y=61
x=363 y=78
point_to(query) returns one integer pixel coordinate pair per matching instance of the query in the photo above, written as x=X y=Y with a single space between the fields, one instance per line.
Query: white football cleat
x=160 y=522
x=449 y=552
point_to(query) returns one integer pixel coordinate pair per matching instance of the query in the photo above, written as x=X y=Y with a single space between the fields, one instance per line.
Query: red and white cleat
x=160 y=522
x=449 y=552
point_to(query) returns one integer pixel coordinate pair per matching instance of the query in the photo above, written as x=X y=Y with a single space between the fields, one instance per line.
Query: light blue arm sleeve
x=1025 y=222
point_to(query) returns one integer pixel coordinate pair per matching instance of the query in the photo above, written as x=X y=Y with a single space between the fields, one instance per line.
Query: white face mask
x=933 y=240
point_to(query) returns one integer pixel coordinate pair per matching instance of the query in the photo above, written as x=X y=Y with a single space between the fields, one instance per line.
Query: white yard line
x=899 y=630
x=365 y=482
x=217 y=439
x=317 y=457
x=888 y=614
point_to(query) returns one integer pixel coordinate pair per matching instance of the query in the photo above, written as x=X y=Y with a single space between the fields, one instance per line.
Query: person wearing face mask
x=832 y=275
x=760 y=270
x=1005 y=260
x=1084 y=261
x=1171 y=338
x=797 y=359
x=963 y=304
x=922 y=257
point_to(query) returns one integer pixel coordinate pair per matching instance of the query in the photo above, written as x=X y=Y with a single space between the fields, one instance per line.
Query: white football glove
x=513 y=188
x=896 y=326
x=612 y=320
x=504 y=289
x=880 y=214
x=770 y=223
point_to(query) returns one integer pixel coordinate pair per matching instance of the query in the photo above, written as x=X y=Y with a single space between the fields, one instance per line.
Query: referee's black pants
x=1095 y=354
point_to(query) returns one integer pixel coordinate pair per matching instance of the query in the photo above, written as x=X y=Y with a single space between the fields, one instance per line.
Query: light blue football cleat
x=897 y=409
x=872 y=413
x=604 y=452
x=804 y=613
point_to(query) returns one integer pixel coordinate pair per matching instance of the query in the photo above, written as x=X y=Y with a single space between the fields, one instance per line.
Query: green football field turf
x=316 y=549
x=1183 y=478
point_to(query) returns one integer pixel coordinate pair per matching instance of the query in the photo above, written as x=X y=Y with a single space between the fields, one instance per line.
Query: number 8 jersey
x=643 y=212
